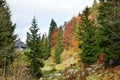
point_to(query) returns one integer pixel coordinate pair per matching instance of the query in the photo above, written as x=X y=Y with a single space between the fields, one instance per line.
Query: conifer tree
x=7 y=38
x=109 y=18
x=45 y=47
x=53 y=26
x=35 y=54
x=59 y=46
x=88 y=33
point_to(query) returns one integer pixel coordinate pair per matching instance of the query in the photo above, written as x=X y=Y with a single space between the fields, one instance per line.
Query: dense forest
x=85 y=48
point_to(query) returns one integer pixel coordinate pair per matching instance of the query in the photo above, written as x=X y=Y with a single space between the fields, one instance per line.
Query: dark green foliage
x=7 y=38
x=45 y=47
x=88 y=33
x=35 y=55
x=101 y=1
x=109 y=18
x=59 y=46
x=53 y=26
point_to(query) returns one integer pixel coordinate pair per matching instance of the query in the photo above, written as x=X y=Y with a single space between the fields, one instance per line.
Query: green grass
x=92 y=77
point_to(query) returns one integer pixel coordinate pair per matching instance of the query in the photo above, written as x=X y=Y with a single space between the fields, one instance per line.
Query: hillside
x=87 y=47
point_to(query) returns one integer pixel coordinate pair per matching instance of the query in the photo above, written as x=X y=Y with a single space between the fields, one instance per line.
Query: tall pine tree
x=58 y=46
x=53 y=26
x=88 y=33
x=7 y=38
x=35 y=54
x=109 y=18
x=45 y=47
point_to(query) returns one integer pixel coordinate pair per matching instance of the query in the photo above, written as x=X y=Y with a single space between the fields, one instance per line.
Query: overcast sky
x=23 y=12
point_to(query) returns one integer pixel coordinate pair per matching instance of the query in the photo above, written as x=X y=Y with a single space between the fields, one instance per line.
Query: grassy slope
x=53 y=71
x=71 y=68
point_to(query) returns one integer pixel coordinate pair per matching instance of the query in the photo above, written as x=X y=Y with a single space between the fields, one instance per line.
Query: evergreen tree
x=35 y=54
x=59 y=46
x=109 y=18
x=45 y=47
x=53 y=26
x=7 y=38
x=88 y=33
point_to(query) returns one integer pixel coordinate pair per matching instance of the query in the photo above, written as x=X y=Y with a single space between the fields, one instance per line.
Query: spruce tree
x=88 y=33
x=58 y=46
x=109 y=18
x=53 y=26
x=45 y=47
x=35 y=54
x=7 y=38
